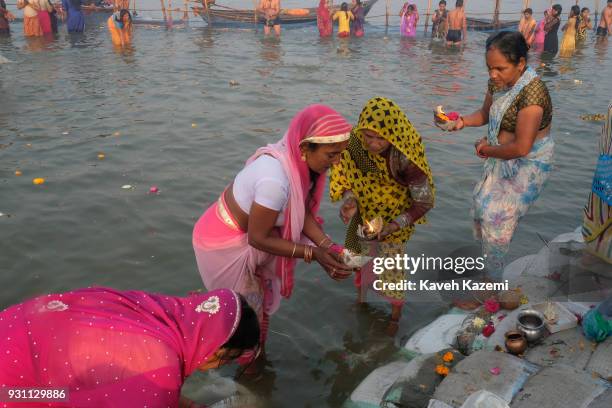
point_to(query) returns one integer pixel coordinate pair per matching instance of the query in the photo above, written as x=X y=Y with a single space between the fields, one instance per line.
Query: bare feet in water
x=392 y=328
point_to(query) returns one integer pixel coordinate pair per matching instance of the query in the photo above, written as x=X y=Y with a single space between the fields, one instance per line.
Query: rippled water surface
x=164 y=114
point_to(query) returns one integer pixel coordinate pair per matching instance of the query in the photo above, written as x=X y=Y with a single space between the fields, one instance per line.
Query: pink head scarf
x=108 y=345
x=316 y=124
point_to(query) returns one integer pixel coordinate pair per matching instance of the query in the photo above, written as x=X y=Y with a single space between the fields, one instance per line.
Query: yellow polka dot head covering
x=367 y=174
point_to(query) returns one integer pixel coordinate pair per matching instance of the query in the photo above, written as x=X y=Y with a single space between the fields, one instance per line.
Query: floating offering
x=234 y=83
x=65 y=133
x=354 y=260
x=101 y=156
x=495 y=370
x=18 y=173
x=443 y=120
x=127 y=187
x=371 y=228
x=117 y=134
x=38 y=180
x=597 y=117
x=154 y=190
x=194 y=125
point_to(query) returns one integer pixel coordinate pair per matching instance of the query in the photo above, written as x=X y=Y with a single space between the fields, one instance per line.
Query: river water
x=163 y=113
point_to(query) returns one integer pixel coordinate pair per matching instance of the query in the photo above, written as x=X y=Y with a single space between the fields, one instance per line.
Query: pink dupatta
x=314 y=123
x=128 y=348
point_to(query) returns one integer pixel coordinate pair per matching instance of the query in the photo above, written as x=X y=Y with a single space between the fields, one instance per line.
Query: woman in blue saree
x=75 y=20
x=518 y=148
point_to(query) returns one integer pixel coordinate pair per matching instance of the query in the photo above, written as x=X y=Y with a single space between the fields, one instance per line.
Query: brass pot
x=516 y=343
x=509 y=299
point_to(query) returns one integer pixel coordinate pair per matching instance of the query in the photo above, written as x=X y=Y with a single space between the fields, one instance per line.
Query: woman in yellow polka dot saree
x=383 y=173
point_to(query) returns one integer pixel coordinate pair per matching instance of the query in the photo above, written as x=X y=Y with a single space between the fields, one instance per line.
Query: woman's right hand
x=330 y=261
x=348 y=209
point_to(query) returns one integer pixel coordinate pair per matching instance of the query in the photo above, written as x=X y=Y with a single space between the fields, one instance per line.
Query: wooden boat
x=477 y=24
x=218 y=15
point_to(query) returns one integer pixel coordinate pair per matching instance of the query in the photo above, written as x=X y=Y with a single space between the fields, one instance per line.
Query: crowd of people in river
x=41 y=18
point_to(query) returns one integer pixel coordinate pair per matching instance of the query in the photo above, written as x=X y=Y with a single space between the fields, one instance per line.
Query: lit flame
x=370 y=227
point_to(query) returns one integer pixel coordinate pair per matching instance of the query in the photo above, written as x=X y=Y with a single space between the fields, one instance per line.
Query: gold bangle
x=323 y=240
x=307 y=253
x=294 y=248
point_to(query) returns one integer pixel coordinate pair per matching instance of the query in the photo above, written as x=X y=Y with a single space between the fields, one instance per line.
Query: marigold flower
x=442 y=370
x=448 y=357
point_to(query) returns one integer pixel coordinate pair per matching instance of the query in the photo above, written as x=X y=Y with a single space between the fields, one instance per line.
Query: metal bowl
x=531 y=323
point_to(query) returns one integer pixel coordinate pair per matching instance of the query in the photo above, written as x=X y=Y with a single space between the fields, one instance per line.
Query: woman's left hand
x=388 y=229
x=479 y=145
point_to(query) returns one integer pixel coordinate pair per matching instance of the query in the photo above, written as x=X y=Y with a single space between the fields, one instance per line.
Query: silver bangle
x=403 y=220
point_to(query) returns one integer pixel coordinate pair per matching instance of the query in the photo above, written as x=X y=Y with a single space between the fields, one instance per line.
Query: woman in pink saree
x=538 y=42
x=248 y=241
x=324 y=21
x=111 y=348
x=409 y=19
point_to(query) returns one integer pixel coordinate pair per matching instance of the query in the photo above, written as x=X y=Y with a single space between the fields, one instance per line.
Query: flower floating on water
x=448 y=357
x=127 y=187
x=488 y=330
x=495 y=370
x=38 y=180
x=442 y=370
x=101 y=156
x=117 y=134
x=478 y=323
x=18 y=173
x=194 y=125
x=154 y=190
x=491 y=305
x=524 y=300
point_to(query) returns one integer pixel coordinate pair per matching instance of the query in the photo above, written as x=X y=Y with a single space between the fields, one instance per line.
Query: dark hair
x=358 y=2
x=411 y=7
x=584 y=9
x=246 y=336
x=557 y=8
x=528 y=10
x=511 y=44
x=442 y=2
x=459 y=3
x=575 y=10
x=122 y=14
x=344 y=7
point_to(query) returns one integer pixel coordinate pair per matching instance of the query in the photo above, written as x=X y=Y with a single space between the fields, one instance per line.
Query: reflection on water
x=163 y=113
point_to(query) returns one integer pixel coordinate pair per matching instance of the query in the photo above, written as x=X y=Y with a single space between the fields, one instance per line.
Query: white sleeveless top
x=263 y=181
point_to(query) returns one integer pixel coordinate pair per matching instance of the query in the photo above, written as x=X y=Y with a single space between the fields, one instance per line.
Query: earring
x=303 y=157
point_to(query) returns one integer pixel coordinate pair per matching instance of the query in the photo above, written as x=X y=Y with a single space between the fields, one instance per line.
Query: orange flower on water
x=448 y=357
x=442 y=370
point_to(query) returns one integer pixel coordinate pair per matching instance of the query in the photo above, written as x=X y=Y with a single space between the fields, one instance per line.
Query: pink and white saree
x=224 y=257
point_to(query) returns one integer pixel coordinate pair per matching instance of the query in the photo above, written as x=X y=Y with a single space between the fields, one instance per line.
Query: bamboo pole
x=427 y=16
x=170 y=19
x=134 y=7
x=387 y=16
x=596 y=14
x=186 y=12
x=255 y=14
x=496 y=14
